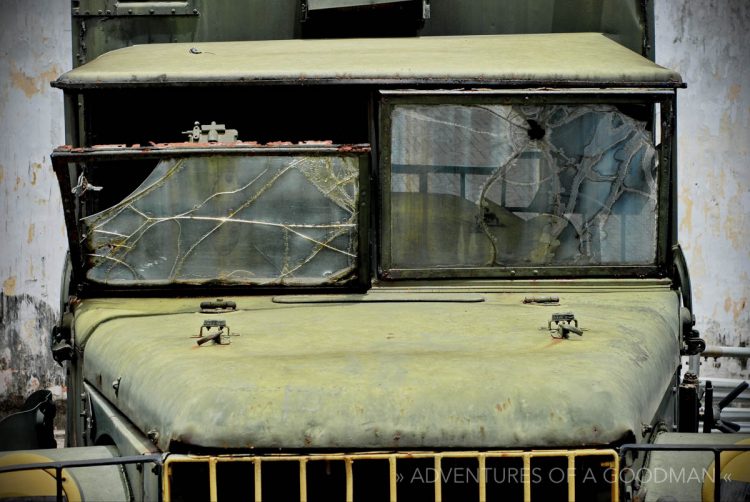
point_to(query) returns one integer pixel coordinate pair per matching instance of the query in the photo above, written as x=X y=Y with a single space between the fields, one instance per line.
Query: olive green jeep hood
x=476 y=369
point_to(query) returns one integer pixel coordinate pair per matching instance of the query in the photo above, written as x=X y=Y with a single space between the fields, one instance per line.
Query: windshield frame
x=67 y=162
x=666 y=176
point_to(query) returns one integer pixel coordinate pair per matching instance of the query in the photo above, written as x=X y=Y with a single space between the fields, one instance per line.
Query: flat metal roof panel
x=581 y=59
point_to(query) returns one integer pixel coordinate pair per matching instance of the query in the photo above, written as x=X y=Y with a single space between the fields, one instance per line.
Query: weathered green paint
x=581 y=59
x=388 y=374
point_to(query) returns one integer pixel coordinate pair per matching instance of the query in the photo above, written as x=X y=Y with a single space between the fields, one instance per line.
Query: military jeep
x=436 y=268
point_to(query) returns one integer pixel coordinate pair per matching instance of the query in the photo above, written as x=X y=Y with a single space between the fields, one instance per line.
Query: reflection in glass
x=492 y=185
x=267 y=220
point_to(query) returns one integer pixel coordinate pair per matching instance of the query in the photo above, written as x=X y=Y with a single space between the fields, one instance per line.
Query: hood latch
x=214 y=330
x=565 y=323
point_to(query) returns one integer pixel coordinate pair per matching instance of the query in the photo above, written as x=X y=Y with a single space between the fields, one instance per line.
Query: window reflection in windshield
x=288 y=220
x=492 y=185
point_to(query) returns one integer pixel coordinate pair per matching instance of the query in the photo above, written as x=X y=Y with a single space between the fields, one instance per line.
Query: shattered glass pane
x=503 y=185
x=266 y=220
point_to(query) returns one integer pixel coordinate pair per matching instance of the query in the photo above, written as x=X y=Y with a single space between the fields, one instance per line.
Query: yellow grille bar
x=610 y=459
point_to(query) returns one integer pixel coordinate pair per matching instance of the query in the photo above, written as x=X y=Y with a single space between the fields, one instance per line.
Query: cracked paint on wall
x=35 y=47
x=707 y=42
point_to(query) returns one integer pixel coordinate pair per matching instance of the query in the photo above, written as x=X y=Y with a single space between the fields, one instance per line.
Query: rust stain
x=35 y=167
x=30 y=236
x=552 y=342
x=48 y=76
x=687 y=219
x=739 y=307
x=501 y=407
x=2 y=173
x=9 y=286
x=734 y=92
x=727 y=304
x=22 y=81
x=18 y=183
x=29 y=85
x=735 y=223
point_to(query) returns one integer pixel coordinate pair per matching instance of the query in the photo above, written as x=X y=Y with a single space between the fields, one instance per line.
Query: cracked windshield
x=496 y=185
x=279 y=220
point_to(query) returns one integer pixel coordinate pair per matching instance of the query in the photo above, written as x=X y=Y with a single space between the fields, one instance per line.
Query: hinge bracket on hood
x=220 y=337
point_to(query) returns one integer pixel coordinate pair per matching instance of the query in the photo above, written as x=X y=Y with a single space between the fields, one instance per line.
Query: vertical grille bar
x=166 y=482
x=258 y=480
x=615 y=466
x=392 y=477
x=213 y=491
x=526 y=477
x=349 y=479
x=482 y=477
x=571 y=478
x=303 y=480
x=438 y=479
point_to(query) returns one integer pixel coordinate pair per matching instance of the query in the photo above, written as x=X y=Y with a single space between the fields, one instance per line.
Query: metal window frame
x=389 y=99
x=66 y=161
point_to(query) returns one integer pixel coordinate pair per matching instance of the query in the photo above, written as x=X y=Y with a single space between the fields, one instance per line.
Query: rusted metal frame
x=70 y=103
x=667 y=222
x=65 y=172
x=716 y=449
x=167 y=150
x=669 y=125
x=364 y=267
x=64 y=162
x=373 y=187
x=59 y=465
x=375 y=82
x=389 y=99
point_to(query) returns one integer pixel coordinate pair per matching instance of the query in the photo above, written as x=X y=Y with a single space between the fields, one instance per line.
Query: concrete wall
x=707 y=41
x=35 y=45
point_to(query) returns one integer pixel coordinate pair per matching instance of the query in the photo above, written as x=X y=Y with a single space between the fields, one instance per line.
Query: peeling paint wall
x=35 y=45
x=708 y=42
